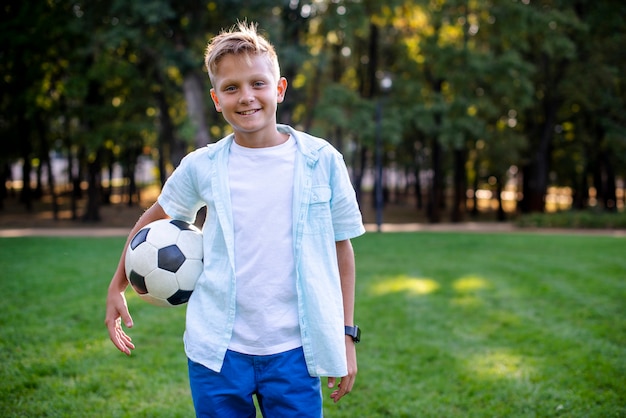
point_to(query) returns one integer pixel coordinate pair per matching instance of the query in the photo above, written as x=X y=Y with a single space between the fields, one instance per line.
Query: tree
x=592 y=143
x=479 y=88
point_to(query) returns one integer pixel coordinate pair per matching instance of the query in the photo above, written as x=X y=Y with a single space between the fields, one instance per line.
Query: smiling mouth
x=248 y=112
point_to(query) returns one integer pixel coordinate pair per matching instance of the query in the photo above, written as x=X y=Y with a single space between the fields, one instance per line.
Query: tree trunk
x=294 y=25
x=436 y=202
x=133 y=190
x=170 y=149
x=166 y=135
x=419 y=202
x=73 y=183
x=435 y=195
x=358 y=170
x=5 y=175
x=537 y=170
x=107 y=192
x=474 y=211
x=26 y=196
x=501 y=215
x=286 y=109
x=38 y=192
x=92 y=210
x=417 y=168
x=458 y=203
x=53 y=193
x=371 y=85
x=169 y=145
x=579 y=189
x=541 y=121
x=45 y=159
x=192 y=86
x=609 y=199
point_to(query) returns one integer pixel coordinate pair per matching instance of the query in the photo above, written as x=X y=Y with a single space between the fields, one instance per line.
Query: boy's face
x=247 y=93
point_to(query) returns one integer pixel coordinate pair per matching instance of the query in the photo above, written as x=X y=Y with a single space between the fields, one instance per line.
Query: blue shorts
x=281 y=383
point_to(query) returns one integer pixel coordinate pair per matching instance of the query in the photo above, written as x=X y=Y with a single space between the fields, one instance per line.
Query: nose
x=247 y=96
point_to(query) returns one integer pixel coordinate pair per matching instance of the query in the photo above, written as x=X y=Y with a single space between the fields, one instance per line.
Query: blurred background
x=445 y=111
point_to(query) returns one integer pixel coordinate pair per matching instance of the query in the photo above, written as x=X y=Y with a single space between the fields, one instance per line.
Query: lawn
x=454 y=325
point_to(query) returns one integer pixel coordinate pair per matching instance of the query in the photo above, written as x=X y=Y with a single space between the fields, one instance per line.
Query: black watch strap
x=354 y=332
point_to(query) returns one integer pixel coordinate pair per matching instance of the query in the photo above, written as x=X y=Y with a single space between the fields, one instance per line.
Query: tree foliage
x=479 y=87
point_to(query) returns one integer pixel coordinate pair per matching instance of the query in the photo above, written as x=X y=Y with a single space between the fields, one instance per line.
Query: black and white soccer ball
x=164 y=261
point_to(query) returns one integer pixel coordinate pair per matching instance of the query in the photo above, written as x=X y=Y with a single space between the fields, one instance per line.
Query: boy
x=268 y=314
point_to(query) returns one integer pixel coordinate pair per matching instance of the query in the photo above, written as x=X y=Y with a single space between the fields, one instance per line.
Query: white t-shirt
x=325 y=211
x=261 y=193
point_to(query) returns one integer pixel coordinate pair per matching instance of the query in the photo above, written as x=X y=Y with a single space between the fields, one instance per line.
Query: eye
x=230 y=89
x=259 y=84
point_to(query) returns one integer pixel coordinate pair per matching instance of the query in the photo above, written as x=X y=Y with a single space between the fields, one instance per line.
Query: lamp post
x=385 y=87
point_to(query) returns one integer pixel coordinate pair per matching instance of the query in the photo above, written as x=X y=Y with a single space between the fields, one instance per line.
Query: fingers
x=115 y=313
x=345 y=386
x=119 y=338
x=347 y=382
x=125 y=316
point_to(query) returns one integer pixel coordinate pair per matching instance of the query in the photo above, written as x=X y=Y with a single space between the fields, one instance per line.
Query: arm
x=116 y=308
x=345 y=259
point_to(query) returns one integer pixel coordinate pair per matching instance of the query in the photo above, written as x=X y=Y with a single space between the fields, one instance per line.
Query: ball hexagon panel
x=180 y=297
x=190 y=243
x=143 y=259
x=139 y=238
x=138 y=282
x=184 y=226
x=170 y=258
x=188 y=274
x=161 y=284
x=163 y=233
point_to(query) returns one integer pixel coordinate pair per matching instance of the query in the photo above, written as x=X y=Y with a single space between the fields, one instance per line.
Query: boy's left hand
x=347 y=382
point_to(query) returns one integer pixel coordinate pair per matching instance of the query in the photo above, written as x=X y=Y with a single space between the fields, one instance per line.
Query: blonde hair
x=243 y=39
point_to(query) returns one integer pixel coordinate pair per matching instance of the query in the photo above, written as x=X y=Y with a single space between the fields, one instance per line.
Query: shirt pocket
x=319 y=217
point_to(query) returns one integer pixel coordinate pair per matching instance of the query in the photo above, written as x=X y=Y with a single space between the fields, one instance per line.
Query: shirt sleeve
x=347 y=218
x=180 y=198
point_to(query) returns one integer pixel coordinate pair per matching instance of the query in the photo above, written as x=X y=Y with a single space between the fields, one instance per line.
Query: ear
x=216 y=101
x=281 y=89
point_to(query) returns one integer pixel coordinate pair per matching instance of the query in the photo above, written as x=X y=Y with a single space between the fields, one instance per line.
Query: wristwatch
x=354 y=332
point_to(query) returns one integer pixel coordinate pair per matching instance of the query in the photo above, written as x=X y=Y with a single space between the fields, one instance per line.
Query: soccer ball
x=164 y=260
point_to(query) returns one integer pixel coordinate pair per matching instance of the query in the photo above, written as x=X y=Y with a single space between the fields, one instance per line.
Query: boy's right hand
x=116 y=312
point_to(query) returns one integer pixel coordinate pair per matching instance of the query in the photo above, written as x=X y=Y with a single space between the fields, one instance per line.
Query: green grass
x=590 y=219
x=454 y=325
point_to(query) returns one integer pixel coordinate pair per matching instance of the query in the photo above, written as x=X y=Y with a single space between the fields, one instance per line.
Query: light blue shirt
x=325 y=210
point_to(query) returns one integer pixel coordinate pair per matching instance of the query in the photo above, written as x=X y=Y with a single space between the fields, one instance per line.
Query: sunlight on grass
x=466 y=288
x=470 y=283
x=424 y=286
x=499 y=364
x=403 y=283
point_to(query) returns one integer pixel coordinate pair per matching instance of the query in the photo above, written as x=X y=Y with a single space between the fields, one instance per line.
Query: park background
x=450 y=113
x=444 y=110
